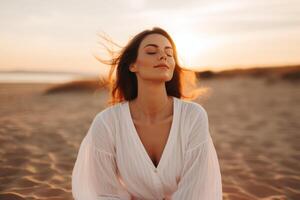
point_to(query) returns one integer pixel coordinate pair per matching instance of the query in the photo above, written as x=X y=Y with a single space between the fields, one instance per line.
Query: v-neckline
x=141 y=145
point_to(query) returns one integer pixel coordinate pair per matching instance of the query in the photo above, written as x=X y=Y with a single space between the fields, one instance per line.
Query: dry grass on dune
x=83 y=85
x=290 y=73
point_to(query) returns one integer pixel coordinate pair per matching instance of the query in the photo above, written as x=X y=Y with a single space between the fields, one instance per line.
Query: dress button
x=155 y=170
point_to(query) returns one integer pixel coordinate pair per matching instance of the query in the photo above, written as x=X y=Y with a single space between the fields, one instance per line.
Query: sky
x=63 y=35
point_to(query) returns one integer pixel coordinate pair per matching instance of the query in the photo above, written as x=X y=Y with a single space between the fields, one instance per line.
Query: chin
x=159 y=77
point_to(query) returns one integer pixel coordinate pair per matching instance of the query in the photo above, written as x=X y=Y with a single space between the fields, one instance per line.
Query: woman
x=151 y=144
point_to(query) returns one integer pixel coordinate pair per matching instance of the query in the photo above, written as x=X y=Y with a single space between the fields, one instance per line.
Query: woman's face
x=155 y=60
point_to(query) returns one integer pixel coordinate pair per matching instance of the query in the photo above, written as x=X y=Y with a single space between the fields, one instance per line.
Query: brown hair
x=124 y=86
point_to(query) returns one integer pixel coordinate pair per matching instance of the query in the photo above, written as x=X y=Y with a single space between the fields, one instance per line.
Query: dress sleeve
x=201 y=177
x=94 y=175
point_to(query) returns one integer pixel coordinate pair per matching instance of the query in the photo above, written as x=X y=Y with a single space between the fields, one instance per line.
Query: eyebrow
x=154 y=45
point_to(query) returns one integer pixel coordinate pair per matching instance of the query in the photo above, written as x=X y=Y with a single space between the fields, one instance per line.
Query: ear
x=132 y=68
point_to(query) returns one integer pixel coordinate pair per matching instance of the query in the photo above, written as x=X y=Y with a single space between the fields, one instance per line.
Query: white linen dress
x=112 y=163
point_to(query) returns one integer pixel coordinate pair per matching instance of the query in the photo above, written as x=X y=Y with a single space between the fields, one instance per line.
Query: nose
x=162 y=56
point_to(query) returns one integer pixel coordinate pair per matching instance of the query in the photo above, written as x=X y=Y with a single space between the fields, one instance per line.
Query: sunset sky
x=61 y=35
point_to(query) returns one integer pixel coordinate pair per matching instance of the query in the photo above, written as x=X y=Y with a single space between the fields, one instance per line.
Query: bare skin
x=152 y=110
x=154 y=135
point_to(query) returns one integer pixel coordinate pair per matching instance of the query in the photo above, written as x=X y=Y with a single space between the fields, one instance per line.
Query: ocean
x=39 y=77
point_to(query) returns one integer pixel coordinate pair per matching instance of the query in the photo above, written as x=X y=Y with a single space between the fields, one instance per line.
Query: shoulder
x=196 y=123
x=193 y=110
x=108 y=113
x=103 y=122
x=103 y=128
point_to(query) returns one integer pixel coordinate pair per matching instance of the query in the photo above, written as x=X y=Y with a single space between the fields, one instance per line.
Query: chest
x=154 y=138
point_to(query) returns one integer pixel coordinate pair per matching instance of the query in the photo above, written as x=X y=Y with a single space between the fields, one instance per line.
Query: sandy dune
x=254 y=124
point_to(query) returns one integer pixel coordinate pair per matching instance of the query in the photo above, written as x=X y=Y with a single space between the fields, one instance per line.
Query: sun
x=191 y=47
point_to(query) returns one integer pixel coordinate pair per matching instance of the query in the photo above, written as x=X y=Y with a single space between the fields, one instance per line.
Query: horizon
x=203 y=69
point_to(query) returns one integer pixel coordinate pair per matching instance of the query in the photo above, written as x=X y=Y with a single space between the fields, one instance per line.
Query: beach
x=254 y=123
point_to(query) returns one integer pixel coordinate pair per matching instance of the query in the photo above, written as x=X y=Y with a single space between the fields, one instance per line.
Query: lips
x=161 y=65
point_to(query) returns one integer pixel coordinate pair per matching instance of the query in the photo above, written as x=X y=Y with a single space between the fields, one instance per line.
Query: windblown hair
x=124 y=85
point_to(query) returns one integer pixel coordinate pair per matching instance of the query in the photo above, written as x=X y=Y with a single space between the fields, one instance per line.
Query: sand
x=254 y=124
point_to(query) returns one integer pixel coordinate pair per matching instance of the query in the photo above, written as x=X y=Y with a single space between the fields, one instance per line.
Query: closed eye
x=155 y=53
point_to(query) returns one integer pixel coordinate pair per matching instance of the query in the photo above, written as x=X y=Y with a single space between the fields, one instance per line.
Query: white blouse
x=112 y=163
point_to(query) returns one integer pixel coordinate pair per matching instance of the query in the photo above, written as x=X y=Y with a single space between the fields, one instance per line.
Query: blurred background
x=51 y=86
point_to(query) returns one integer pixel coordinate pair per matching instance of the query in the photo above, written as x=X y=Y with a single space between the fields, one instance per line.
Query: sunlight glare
x=190 y=47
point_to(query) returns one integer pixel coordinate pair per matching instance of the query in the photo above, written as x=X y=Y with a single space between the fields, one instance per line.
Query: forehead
x=157 y=39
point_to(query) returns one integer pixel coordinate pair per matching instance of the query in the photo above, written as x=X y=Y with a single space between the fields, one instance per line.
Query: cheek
x=171 y=62
x=145 y=61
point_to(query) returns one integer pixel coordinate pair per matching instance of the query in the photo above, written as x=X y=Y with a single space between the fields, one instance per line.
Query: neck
x=152 y=100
